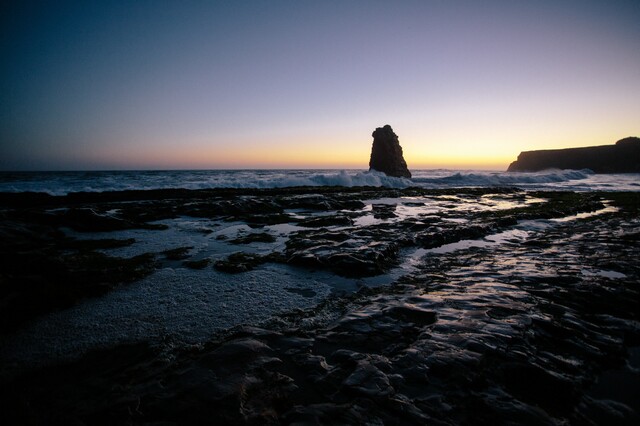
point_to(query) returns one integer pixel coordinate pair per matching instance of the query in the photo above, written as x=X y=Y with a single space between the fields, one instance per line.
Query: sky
x=92 y=85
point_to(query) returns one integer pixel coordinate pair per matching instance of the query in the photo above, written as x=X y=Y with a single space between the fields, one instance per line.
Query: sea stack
x=386 y=153
x=623 y=157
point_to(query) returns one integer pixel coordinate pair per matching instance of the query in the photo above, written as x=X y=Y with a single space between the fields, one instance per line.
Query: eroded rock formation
x=386 y=153
x=623 y=157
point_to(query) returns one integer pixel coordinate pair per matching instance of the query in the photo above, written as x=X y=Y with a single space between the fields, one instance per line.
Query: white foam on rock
x=177 y=305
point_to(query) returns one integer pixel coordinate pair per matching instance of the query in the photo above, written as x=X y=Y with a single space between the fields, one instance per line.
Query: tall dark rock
x=623 y=157
x=386 y=153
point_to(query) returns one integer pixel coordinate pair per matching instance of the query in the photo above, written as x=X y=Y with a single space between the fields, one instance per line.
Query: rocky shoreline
x=529 y=317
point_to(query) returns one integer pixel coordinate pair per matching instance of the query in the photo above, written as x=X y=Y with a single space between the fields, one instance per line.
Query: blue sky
x=262 y=84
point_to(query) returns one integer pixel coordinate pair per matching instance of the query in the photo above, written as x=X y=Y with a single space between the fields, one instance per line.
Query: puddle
x=520 y=233
x=510 y=236
x=604 y=273
x=460 y=245
x=607 y=209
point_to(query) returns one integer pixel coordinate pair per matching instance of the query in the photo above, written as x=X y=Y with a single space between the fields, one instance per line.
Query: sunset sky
x=302 y=84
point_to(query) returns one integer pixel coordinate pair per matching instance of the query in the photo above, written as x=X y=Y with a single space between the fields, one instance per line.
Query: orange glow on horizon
x=264 y=158
x=323 y=152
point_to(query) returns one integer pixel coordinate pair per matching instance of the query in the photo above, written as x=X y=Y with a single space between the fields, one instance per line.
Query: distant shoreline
x=623 y=157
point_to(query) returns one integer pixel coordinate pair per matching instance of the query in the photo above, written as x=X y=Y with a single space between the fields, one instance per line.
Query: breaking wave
x=341 y=178
x=472 y=178
x=60 y=183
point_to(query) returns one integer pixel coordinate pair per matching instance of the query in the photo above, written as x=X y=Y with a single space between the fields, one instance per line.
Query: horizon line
x=107 y=170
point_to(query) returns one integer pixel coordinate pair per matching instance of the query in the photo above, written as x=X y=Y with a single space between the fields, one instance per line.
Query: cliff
x=623 y=157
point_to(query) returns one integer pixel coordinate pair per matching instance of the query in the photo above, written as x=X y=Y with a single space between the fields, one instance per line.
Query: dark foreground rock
x=623 y=157
x=386 y=153
x=541 y=332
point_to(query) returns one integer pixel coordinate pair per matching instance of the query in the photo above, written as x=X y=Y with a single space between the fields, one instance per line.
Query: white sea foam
x=501 y=179
x=179 y=305
x=341 y=178
x=60 y=183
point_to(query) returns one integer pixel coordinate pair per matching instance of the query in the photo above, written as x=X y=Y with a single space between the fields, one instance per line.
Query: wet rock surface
x=527 y=329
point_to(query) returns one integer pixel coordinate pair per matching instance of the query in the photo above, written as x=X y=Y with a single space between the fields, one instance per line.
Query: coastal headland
x=623 y=157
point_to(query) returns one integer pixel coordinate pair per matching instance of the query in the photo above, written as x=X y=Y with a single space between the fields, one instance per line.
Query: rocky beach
x=207 y=218
x=320 y=305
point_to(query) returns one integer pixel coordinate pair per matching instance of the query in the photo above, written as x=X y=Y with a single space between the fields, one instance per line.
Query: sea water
x=61 y=183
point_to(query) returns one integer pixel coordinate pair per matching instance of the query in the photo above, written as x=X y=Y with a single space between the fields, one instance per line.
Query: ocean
x=60 y=183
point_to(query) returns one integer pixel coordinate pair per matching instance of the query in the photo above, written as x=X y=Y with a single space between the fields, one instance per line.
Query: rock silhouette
x=623 y=157
x=386 y=153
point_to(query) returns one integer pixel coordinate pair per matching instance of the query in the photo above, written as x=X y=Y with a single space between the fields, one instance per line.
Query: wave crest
x=503 y=179
x=342 y=178
x=61 y=183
